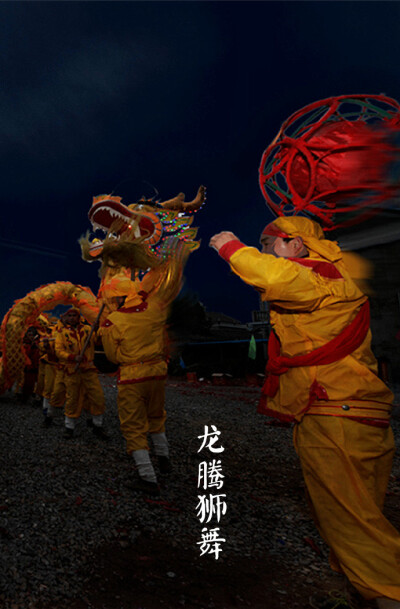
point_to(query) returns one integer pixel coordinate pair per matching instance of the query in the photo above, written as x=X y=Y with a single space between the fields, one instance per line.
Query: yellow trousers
x=49 y=378
x=141 y=411
x=346 y=467
x=83 y=382
x=57 y=397
x=41 y=378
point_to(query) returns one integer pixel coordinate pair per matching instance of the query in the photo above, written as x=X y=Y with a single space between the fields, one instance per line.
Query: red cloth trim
x=368 y=400
x=141 y=380
x=374 y=422
x=366 y=421
x=71 y=358
x=274 y=231
x=352 y=407
x=325 y=269
x=288 y=418
x=106 y=323
x=72 y=331
x=318 y=392
x=230 y=248
x=349 y=339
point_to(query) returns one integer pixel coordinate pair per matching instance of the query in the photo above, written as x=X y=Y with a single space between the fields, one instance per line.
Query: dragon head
x=146 y=221
x=135 y=233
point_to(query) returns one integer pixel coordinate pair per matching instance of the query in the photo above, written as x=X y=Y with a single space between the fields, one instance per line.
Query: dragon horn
x=178 y=203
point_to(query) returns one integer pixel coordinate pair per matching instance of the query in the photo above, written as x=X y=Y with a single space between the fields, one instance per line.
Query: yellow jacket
x=135 y=338
x=135 y=335
x=310 y=305
x=47 y=347
x=69 y=343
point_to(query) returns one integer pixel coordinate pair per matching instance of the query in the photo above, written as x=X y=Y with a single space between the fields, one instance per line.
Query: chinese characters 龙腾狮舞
x=211 y=506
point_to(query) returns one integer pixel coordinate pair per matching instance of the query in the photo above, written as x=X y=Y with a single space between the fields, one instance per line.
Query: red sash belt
x=345 y=343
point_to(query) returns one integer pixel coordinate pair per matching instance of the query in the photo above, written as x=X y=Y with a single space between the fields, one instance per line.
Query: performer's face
x=72 y=318
x=276 y=246
x=282 y=248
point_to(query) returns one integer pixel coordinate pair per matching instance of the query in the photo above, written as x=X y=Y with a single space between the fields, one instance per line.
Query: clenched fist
x=218 y=240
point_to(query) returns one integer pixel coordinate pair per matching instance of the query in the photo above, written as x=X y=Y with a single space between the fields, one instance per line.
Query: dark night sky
x=175 y=93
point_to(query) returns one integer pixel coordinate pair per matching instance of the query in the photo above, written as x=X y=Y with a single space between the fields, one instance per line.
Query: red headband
x=273 y=231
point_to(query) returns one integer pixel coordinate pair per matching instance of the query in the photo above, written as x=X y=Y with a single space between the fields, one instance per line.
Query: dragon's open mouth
x=146 y=220
x=105 y=213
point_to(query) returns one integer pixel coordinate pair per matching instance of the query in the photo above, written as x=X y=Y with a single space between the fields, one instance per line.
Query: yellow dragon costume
x=139 y=282
x=148 y=223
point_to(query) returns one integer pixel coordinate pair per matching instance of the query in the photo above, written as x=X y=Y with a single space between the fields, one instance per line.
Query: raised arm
x=284 y=281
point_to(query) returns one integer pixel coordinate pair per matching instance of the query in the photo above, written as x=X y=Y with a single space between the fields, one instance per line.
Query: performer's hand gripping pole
x=89 y=336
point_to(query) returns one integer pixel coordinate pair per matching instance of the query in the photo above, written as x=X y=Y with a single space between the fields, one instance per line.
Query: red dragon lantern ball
x=334 y=160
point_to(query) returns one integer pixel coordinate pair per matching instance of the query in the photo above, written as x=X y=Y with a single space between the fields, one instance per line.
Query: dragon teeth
x=112 y=212
x=116 y=214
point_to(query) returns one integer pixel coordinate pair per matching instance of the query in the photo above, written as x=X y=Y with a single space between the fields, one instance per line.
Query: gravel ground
x=62 y=501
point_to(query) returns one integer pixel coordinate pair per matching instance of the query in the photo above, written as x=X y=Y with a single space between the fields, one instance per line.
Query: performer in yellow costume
x=142 y=258
x=49 y=362
x=322 y=375
x=134 y=336
x=69 y=344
